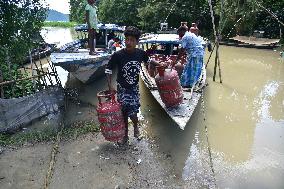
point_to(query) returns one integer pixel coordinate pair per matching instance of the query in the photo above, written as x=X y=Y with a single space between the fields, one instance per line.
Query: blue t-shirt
x=192 y=44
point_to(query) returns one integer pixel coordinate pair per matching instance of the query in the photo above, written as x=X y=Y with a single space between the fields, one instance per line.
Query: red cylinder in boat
x=110 y=116
x=194 y=29
x=169 y=87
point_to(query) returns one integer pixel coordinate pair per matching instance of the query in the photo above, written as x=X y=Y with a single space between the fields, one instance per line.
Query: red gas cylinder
x=194 y=29
x=169 y=87
x=172 y=57
x=110 y=116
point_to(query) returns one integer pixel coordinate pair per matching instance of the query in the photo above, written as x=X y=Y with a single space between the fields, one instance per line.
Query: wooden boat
x=75 y=58
x=44 y=50
x=182 y=113
x=251 y=42
x=104 y=34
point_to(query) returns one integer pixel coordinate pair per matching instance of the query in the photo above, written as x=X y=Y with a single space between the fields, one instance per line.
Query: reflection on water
x=59 y=36
x=244 y=117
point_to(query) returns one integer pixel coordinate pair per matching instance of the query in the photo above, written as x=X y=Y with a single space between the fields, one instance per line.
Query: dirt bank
x=89 y=162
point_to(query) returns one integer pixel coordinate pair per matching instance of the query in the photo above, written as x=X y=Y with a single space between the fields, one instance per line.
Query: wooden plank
x=27 y=78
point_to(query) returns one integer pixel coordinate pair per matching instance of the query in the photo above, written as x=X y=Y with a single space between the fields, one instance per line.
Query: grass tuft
x=72 y=132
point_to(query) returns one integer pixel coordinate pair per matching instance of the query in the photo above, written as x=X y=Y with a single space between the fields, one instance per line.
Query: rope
x=207 y=138
x=54 y=152
x=170 y=11
x=235 y=25
x=270 y=12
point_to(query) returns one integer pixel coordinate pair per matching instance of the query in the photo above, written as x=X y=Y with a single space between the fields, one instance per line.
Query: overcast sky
x=59 y=5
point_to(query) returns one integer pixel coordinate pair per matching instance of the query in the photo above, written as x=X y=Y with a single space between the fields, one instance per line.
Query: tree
x=242 y=17
x=77 y=10
x=122 y=12
x=20 y=23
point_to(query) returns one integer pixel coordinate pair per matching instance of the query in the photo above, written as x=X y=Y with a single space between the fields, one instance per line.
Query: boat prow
x=182 y=113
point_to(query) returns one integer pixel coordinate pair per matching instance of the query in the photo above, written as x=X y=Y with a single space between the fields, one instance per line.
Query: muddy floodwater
x=235 y=137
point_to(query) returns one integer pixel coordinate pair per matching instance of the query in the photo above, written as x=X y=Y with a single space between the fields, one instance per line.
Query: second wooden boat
x=182 y=113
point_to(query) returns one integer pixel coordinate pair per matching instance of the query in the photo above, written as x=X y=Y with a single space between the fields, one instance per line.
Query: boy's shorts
x=129 y=99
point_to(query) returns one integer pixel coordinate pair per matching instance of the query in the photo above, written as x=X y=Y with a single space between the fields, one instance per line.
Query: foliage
x=77 y=10
x=122 y=12
x=60 y=24
x=266 y=22
x=251 y=17
x=20 y=24
x=231 y=17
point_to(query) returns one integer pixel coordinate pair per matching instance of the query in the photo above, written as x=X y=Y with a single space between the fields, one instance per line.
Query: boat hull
x=182 y=113
x=83 y=66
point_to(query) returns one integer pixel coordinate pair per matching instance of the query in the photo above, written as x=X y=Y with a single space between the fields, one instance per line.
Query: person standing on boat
x=128 y=61
x=92 y=21
x=193 y=46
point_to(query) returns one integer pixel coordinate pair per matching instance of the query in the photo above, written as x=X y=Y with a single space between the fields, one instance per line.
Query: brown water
x=242 y=146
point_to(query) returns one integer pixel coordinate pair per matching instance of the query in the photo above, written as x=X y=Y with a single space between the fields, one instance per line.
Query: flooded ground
x=244 y=117
x=234 y=139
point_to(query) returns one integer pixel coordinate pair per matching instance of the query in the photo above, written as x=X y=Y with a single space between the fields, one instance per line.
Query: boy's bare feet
x=137 y=133
x=123 y=142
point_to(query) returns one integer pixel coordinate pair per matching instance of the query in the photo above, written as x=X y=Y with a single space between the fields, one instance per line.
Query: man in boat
x=128 y=61
x=112 y=43
x=194 y=48
x=92 y=21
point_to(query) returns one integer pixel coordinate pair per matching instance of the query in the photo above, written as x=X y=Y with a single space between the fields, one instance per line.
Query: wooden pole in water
x=217 y=58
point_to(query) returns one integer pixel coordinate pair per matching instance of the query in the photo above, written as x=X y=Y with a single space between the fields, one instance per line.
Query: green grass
x=60 y=24
x=71 y=132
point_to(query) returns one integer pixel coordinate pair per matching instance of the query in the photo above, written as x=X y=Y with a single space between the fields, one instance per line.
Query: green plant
x=20 y=25
x=70 y=132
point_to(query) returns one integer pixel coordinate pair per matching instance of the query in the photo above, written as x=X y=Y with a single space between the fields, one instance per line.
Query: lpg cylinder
x=169 y=87
x=194 y=29
x=110 y=116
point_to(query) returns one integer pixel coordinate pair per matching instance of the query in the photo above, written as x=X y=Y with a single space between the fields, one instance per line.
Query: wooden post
x=1 y=87
x=217 y=58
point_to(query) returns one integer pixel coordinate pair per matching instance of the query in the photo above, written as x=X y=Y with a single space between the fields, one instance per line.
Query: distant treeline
x=232 y=17
x=60 y=24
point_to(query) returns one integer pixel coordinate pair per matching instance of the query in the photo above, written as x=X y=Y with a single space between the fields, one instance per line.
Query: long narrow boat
x=252 y=42
x=182 y=113
x=75 y=58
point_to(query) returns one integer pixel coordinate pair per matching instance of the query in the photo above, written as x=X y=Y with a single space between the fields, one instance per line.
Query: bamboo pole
x=23 y=79
x=217 y=58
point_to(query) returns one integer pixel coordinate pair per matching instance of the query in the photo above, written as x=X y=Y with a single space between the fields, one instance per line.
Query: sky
x=59 y=5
